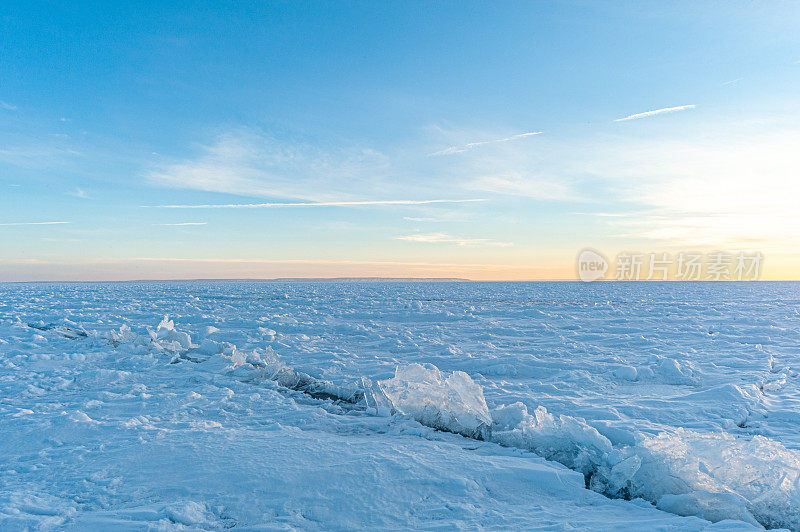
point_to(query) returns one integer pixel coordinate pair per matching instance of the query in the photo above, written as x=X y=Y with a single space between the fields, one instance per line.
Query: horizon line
x=402 y=279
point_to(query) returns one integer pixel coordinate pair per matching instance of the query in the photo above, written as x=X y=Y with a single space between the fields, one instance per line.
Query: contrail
x=465 y=147
x=182 y=224
x=34 y=223
x=656 y=112
x=313 y=204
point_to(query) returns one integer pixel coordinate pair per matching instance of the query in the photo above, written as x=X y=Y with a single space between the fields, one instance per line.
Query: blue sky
x=108 y=113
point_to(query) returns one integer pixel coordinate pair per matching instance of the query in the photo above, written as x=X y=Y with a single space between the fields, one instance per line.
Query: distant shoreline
x=276 y=280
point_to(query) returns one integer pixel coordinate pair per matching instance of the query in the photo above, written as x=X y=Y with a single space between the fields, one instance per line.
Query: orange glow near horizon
x=776 y=267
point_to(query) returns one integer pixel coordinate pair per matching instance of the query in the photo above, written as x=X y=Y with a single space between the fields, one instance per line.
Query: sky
x=172 y=140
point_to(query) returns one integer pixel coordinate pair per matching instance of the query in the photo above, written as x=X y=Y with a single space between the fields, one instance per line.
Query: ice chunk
x=712 y=475
x=210 y=347
x=711 y=506
x=163 y=338
x=759 y=473
x=124 y=336
x=375 y=398
x=166 y=337
x=622 y=472
x=453 y=403
x=565 y=439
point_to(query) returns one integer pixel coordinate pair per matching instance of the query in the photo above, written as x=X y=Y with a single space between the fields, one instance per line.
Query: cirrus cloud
x=444 y=238
x=655 y=112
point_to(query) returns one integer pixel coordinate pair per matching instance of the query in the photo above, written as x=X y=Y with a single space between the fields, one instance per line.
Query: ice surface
x=131 y=437
x=685 y=400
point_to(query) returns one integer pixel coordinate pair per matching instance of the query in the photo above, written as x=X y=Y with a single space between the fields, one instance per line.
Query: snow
x=399 y=405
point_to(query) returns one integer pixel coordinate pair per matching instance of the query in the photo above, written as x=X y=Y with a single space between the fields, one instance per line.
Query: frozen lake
x=247 y=406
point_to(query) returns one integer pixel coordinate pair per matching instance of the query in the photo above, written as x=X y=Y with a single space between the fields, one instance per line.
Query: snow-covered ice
x=399 y=405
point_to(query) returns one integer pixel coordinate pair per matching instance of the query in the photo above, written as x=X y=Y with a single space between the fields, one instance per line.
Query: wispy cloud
x=444 y=238
x=298 y=261
x=502 y=168
x=293 y=174
x=33 y=223
x=250 y=163
x=315 y=204
x=470 y=145
x=182 y=224
x=517 y=184
x=424 y=219
x=655 y=112
x=39 y=156
x=603 y=214
x=100 y=260
x=731 y=82
x=80 y=193
x=7 y=106
x=439 y=215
